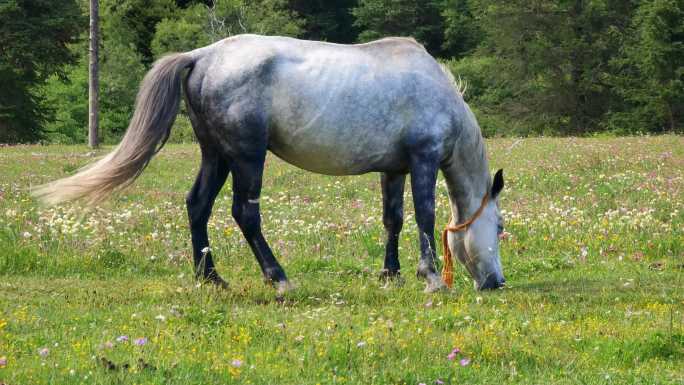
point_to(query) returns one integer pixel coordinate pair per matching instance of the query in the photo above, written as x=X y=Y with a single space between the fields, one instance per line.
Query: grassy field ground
x=594 y=266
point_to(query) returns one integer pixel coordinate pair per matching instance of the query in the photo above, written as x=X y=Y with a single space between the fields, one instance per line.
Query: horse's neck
x=467 y=176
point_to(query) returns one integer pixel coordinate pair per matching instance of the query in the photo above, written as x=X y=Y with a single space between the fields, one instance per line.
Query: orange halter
x=448 y=268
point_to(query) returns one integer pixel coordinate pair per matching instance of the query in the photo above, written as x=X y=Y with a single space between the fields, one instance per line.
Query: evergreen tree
x=327 y=20
x=421 y=20
x=555 y=56
x=649 y=75
x=462 y=31
x=34 y=35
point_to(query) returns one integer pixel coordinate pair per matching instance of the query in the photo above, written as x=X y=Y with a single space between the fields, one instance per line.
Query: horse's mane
x=460 y=85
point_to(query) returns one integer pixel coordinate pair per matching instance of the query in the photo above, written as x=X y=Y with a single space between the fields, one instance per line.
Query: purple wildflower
x=43 y=352
x=236 y=363
x=122 y=339
x=140 y=341
x=439 y=382
x=464 y=362
x=3 y=361
x=452 y=355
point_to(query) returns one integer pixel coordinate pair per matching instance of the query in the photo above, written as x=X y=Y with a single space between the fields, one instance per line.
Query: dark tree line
x=568 y=67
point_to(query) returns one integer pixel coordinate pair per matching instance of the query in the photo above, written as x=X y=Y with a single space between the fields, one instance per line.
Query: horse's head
x=477 y=247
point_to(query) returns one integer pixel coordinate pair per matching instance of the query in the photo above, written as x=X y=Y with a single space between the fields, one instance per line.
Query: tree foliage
x=649 y=73
x=533 y=67
x=34 y=35
x=420 y=19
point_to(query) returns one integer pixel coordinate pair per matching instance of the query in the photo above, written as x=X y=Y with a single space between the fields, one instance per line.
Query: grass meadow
x=594 y=262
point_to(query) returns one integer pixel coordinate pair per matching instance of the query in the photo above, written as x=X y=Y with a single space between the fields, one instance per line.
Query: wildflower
x=439 y=382
x=3 y=361
x=160 y=318
x=122 y=339
x=43 y=352
x=140 y=341
x=108 y=345
x=452 y=355
x=464 y=362
x=361 y=344
x=236 y=363
x=26 y=234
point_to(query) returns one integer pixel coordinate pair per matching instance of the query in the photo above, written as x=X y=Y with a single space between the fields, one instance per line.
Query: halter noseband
x=448 y=269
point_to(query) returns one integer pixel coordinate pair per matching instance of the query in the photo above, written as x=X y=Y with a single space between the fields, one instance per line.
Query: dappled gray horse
x=386 y=106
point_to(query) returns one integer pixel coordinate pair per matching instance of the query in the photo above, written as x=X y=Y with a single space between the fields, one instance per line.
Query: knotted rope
x=448 y=268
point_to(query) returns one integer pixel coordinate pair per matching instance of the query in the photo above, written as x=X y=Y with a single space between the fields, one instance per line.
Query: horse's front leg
x=247 y=176
x=200 y=200
x=423 y=180
x=393 y=219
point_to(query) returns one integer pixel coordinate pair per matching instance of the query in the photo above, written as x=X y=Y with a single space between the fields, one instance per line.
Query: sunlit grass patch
x=593 y=259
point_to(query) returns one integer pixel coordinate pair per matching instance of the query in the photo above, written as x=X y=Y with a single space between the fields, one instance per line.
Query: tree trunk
x=93 y=82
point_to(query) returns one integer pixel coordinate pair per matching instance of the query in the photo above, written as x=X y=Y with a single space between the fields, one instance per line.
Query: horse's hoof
x=217 y=281
x=391 y=279
x=284 y=287
x=386 y=274
x=434 y=284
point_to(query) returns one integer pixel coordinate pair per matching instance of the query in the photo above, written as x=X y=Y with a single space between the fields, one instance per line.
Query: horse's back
x=330 y=108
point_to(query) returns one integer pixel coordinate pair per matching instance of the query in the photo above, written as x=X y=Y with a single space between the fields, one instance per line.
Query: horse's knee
x=197 y=214
x=247 y=217
x=393 y=222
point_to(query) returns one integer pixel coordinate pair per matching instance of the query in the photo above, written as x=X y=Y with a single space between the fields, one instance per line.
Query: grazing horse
x=386 y=106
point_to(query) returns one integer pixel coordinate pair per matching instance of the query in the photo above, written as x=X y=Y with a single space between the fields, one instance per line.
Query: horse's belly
x=336 y=151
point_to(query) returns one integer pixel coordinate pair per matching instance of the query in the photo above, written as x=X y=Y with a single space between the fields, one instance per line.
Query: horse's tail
x=155 y=111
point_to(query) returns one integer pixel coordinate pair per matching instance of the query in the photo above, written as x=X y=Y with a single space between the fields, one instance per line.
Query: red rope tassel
x=448 y=267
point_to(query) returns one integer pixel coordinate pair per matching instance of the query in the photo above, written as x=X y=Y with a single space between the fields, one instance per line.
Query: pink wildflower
x=452 y=355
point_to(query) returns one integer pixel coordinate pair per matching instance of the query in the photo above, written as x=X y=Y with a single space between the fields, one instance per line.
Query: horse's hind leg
x=393 y=219
x=247 y=175
x=423 y=181
x=200 y=200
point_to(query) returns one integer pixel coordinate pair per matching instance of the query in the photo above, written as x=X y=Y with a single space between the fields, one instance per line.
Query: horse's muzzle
x=492 y=282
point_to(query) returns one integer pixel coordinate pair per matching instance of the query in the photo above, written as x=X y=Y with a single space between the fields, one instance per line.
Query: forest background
x=540 y=67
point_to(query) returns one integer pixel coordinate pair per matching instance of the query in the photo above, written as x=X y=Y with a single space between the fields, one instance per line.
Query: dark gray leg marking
x=247 y=176
x=393 y=219
x=423 y=180
x=200 y=200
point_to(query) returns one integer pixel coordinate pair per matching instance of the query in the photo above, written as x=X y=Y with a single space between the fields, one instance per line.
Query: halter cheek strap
x=448 y=269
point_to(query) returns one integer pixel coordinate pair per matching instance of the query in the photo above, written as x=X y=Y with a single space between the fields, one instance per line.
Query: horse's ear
x=497 y=184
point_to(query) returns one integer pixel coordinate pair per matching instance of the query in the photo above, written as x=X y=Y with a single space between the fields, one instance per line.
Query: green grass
x=594 y=267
